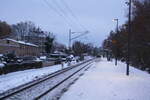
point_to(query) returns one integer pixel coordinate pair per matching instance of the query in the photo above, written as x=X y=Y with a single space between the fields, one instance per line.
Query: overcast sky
x=92 y=15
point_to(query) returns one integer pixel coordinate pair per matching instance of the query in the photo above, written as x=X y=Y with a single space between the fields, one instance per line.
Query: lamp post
x=117 y=20
x=129 y=35
x=70 y=38
x=117 y=27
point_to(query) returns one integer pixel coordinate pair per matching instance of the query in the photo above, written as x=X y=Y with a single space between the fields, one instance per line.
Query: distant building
x=37 y=40
x=20 y=48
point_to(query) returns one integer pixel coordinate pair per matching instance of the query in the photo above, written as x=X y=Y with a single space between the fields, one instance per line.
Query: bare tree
x=5 y=29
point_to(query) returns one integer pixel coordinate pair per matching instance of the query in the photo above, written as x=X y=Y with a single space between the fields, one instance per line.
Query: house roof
x=21 y=42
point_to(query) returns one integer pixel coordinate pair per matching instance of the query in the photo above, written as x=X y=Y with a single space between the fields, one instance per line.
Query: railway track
x=44 y=88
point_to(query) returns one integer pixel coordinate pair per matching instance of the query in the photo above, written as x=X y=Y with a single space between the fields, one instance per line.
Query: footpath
x=105 y=81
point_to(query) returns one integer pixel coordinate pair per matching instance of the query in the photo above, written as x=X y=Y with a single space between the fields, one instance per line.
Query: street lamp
x=129 y=36
x=129 y=33
x=116 y=20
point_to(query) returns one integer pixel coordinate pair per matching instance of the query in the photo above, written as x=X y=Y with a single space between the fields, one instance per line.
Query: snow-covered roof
x=22 y=42
x=58 y=54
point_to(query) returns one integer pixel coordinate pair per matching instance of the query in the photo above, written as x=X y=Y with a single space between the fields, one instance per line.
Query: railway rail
x=40 y=88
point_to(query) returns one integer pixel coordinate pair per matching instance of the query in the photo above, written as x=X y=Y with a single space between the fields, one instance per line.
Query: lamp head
x=115 y=19
x=87 y=31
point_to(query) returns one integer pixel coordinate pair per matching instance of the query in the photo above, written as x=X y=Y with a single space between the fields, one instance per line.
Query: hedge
x=12 y=67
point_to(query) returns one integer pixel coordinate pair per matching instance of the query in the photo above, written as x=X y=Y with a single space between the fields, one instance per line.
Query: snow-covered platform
x=105 y=81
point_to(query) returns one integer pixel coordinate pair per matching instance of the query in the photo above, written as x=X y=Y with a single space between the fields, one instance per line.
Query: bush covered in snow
x=12 y=67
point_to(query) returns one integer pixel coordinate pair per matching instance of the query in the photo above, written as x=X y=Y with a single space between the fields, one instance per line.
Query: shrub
x=12 y=67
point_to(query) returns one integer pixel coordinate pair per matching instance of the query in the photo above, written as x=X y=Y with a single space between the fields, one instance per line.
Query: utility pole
x=129 y=37
x=116 y=48
x=69 y=39
x=116 y=44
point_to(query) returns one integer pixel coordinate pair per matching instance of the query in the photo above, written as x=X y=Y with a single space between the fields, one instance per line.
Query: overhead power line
x=51 y=7
x=63 y=11
x=72 y=14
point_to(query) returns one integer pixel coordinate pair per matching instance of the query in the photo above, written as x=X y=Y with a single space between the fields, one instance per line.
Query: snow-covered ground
x=15 y=79
x=1 y=65
x=105 y=81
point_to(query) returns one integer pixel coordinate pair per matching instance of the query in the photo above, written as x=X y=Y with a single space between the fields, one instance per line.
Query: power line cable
x=72 y=14
x=56 y=11
x=65 y=13
x=60 y=11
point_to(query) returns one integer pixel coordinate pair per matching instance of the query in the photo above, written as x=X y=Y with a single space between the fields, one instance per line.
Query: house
x=20 y=48
x=37 y=40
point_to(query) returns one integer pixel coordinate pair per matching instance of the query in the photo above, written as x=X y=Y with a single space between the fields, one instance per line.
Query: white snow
x=88 y=57
x=1 y=55
x=1 y=65
x=15 y=79
x=105 y=81
x=22 y=42
x=43 y=57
